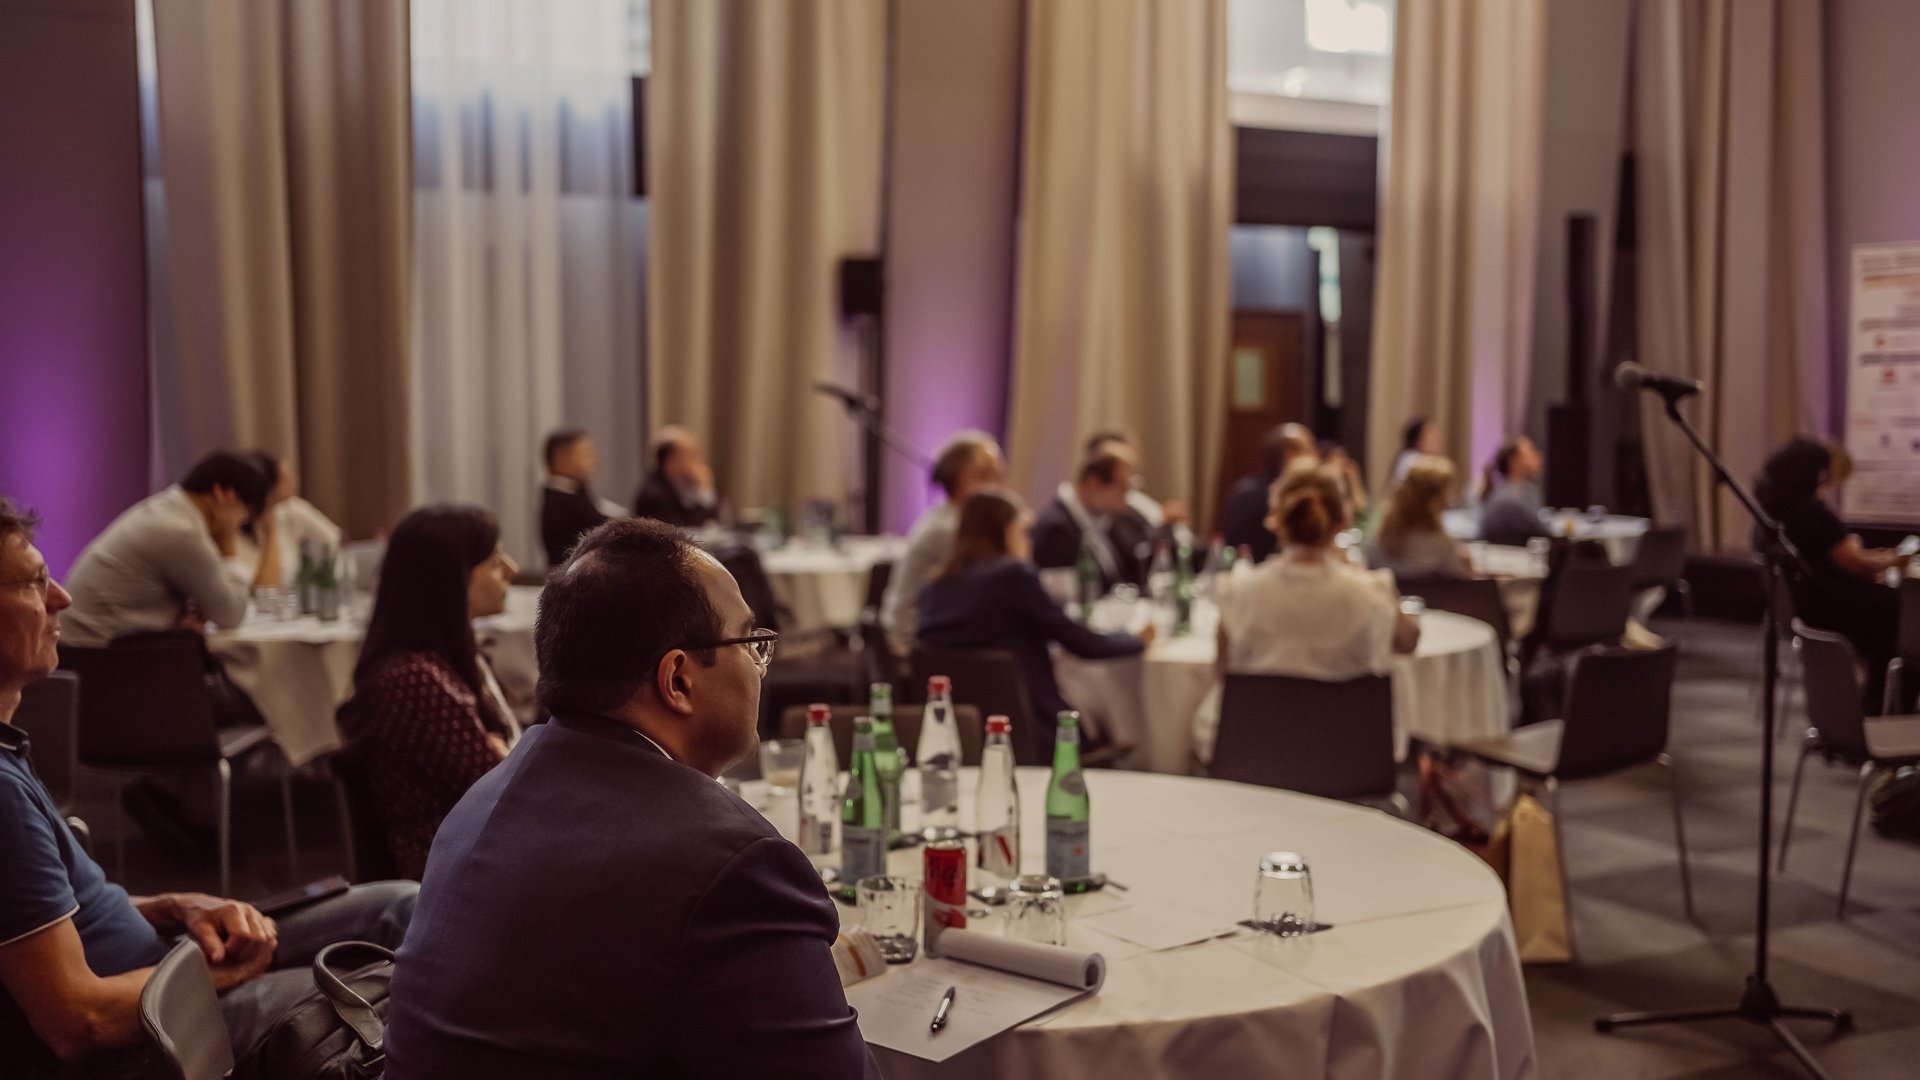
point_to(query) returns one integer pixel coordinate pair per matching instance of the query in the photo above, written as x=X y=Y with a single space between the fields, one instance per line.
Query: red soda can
x=946 y=886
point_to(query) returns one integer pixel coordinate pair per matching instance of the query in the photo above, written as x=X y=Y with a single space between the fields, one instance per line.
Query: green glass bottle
x=1069 y=832
x=863 y=820
x=1183 y=589
x=1087 y=578
x=326 y=585
x=304 y=582
x=886 y=754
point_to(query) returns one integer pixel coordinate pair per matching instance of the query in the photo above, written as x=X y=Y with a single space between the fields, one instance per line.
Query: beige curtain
x=764 y=129
x=283 y=265
x=1123 y=295
x=1732 y=239
x=1460 y=199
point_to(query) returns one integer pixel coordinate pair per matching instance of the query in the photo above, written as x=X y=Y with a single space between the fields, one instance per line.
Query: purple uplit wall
x=73 y=359
x=952 y=176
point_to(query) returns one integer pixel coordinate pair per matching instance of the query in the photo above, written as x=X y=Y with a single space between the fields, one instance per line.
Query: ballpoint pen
x=940 y=1014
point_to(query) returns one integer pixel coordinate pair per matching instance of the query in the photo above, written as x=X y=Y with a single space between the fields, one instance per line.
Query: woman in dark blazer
x=989 y=596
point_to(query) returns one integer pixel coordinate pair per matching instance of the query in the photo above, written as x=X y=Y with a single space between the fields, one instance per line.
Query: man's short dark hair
x=15 y=520
x=560 y=442
x=238 y=472
x=1102 y=467
x=956 y=456
x=630 y=592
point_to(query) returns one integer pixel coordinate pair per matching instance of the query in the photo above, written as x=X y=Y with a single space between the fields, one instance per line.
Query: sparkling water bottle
x=939 y=757
x=996 y=807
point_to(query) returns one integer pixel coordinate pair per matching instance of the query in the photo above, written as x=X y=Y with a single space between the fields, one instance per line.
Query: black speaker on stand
x=1569 y=422
x=863 y=307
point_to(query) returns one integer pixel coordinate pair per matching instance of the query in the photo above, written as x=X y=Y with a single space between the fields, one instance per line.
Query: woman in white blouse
x=1307 y=612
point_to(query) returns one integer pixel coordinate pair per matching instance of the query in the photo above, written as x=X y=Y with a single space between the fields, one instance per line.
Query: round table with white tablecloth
x=299 y=671
x=1452 y=689
x=1416 y=977
x=822 y=586
x=1618 y=533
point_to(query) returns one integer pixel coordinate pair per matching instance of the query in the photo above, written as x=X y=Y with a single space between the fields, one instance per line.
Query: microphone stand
x=1758 y=1003
x=864 y=415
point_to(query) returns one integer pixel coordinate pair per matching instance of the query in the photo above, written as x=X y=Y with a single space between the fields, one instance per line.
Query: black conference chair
x=362 y=829
x=1584 y=602
x=180 y=1014
x=145 y=709
x=1900 y=683
x=870 y=637
x=1839 y=730
x=49 y=713
x=1617 y=716
x=990 y=681
x=906 y=728
x=1332 y=739
x=1786 y=616
x=1660 y=562
x=1476 y=598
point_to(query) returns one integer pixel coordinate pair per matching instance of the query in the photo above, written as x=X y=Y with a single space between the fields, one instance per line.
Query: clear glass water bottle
x=819 y=786
x=996 y=808
x=939 y=757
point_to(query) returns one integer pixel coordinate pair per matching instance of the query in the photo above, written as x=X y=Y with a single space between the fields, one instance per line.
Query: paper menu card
x=999 y=983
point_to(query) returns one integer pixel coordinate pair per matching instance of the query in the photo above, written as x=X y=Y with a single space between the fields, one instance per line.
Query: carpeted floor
x=1637 y=950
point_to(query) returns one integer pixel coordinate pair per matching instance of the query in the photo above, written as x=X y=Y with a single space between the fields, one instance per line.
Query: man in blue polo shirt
x=75 y=949
x=598 y=907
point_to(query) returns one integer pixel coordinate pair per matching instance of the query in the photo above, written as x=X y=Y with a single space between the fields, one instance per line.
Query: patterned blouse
x=429 y=746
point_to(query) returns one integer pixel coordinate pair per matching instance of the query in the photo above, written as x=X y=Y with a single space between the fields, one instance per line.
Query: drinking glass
x=780 y=765
x=890 y=911
x=1283 y=895
x=1540 y=548
x=1413 y=606
x=270 y=603
x=1036 y=910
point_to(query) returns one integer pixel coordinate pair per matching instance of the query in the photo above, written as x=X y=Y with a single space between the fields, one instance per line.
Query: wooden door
x=1266 y=386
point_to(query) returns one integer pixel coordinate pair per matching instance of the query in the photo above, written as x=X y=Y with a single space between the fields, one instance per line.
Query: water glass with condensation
x=1283 y=895
x=890 y=911
x=1036 y=910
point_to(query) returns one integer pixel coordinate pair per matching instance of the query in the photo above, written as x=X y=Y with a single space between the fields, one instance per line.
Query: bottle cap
x=1069 y=718
x=863 y=725
x=818 y=715
x=939 y=684
x=998 y=725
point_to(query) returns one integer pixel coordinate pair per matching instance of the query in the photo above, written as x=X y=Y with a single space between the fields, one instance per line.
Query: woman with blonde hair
x=1307 y=612
x=1411 y=541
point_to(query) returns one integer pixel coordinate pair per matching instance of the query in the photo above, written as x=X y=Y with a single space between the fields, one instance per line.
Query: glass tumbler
x=780 y=765
x=1036 y=910
x=890 y=911
x=1283 y=895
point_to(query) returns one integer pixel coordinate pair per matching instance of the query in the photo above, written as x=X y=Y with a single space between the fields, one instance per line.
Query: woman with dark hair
x=423 y=695
x=1307 y=612
x=1842 y=591
x=1419 y=438
x=989 y=596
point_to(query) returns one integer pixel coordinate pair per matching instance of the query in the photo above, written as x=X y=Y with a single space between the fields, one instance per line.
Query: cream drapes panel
x=765 y=125
x=1453 y=318
x=528 y=280
x=1123 y=296
x=282 y=266
x=1732 y=239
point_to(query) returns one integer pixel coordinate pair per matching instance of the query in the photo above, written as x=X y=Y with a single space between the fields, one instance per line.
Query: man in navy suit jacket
x=597 y=905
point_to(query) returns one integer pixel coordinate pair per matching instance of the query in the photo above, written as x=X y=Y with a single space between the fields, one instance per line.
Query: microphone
x=1631 y=376
x=852 y=399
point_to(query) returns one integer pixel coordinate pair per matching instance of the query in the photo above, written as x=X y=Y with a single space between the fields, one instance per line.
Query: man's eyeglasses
x=39 y=582
x=759 y=646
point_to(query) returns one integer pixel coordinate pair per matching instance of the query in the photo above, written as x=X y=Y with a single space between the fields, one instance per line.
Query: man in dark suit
x=1079 y=514
x=680 y=490
x=1243 y=521
x=1146 y=523
x=567 y=507
x=597 y=906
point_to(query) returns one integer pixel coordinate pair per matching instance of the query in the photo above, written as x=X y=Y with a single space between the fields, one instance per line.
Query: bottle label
x=939 y=790
x=1068 y=844
x=863 y=853
x=1000 y=852
x=1073 y=783
x=816 y=835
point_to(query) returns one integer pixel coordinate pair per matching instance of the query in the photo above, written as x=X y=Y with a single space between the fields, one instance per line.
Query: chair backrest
x=1832 y=678
x=362 y=827
x=1333 y=739
x=1586 y=602
x=1908 y=640
x=743 y=562
x=990 y=680
x=180 y=1014
x=906 y=728
x=1618 y=709
x=49 y=713
x=1779 y=593
x=879 y=576
x=1476 y=598
x=1661 y=558
x=144 y=701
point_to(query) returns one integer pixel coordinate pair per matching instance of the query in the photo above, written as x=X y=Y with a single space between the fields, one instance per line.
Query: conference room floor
x=1637 y=950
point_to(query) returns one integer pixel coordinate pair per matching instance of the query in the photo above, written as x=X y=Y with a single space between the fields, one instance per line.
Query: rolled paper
x=1048 y=963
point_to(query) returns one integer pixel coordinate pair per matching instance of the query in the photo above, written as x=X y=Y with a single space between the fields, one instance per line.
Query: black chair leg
x=1793 y=801
x=1679 y=835
x=1853 y=836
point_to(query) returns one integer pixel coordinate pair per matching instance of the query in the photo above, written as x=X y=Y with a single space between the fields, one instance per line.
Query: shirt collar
x=13 y=739
x=1094 y=536
x=565 y=484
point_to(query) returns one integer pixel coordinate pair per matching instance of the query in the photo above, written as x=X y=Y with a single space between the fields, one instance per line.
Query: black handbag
x=338 y=1031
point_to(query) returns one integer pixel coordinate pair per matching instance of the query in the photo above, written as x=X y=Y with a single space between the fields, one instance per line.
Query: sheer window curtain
x=530 y=248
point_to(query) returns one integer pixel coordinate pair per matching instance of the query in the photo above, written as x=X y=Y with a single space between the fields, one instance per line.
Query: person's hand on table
x=1175 y=511
x=1148 y=634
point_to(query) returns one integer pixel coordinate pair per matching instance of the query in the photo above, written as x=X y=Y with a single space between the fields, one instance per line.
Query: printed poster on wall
x=1883 y=385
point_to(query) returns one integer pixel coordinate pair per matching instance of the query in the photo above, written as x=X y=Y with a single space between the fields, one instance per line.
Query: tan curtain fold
x=1729 y=140
x=283 y=260
x=764 y=123
x=1460 y=198
x=1123 y=295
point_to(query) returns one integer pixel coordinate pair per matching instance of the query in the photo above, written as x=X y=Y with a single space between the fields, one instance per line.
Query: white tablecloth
x=1417 y=978
x=299 y=672
x=826 y=586
x=1619 y=533
x=1453 y=688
